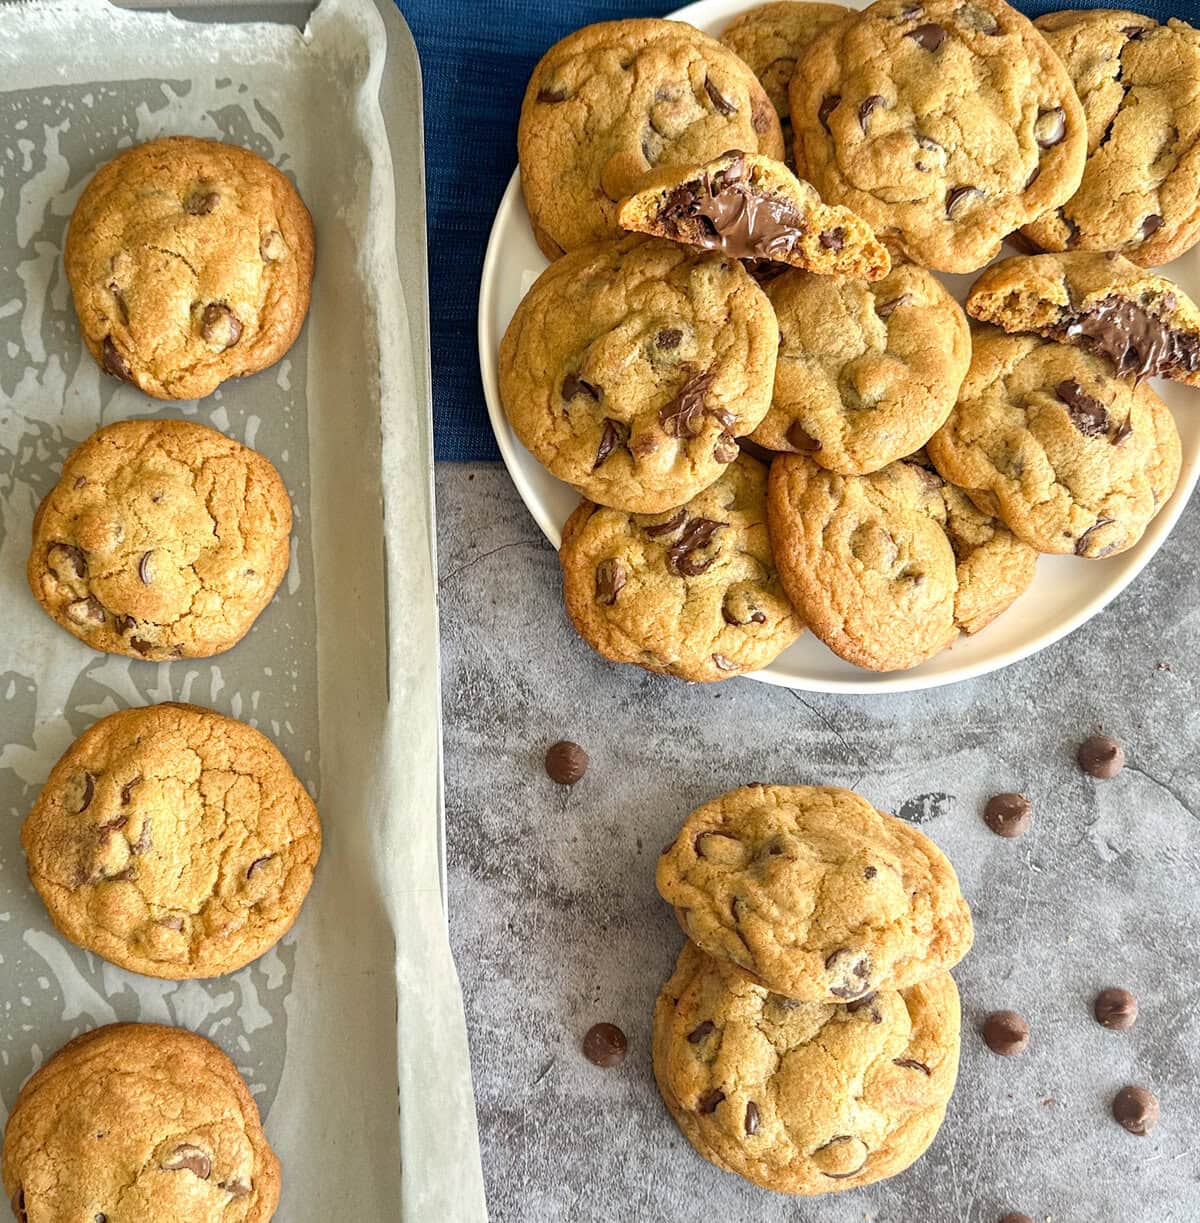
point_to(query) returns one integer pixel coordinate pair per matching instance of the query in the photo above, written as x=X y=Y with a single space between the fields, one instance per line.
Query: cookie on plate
x=162 y=539
x=1046 y=436
x=138 y=1121
x=631 y=366
x=1146 y=325
x=173 y=841
x=191 y=262
x=804 y=1098
x=613 y=102
x=692 y=592
x=1140 y=193
x=867 y=373
x=813 y=893
x=771 y=38
x=945 y=125
x=751 y=207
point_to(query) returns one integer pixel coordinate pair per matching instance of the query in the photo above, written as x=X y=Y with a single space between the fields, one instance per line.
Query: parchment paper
x=350 y=1032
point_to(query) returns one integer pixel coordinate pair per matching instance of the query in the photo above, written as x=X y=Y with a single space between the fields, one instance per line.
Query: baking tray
x=350 y=1032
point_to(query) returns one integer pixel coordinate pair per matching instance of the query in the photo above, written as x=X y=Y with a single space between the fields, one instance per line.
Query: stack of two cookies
x=808 y=1038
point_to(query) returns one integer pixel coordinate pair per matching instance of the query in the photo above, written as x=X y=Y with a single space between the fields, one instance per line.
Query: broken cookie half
x=1146 y=325
x=752 y=207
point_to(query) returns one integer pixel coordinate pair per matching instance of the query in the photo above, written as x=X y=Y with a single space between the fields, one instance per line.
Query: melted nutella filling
x=1136 y=341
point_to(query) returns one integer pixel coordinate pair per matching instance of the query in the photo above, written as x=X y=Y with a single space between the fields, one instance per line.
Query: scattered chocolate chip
x=1136 y=1110
x=1101 y=756
x=1008 y=815
x=751 y=1118
x=885 y=310
x=829 y=104
x=668 y=338
x=683 y=415
x=86 y=611
x=1087 y=413
x=573 y=385
x=833 y=239
x=725 y=448
x=697 y=534
x=866 y=106
x=957 y=197
x=709 y=1101
x=271 y=246
x=1006 y=1033
x=112 y=361
x=800 y=440
x=188 y=1158
x=566 y=762
x=610 y=578
x=1115 y=1008
x=604 y=1044
x=220 y=326
x=930 y=36
x=1151 y=225
x=910 y=1063
x=1050 y=126
x=723 y=664
x=200 y=203
x=551 y=95
x=700 y=1031
x=144 y=574
x=89 y=790
x=721 y=103
x=615 y=434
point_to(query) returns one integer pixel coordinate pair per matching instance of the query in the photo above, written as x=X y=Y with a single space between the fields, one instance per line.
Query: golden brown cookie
x=800 y=1097
x=630 y=367
x=751 y=207
x=138 y=1122
x=611 y=103
x=692 y=592
x=1140 y=193
x=173 y=841
x=813 y=893
x=162 y=539
x=191 y=262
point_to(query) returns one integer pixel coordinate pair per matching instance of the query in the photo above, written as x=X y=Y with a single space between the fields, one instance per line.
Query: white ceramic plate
x=1066 y=592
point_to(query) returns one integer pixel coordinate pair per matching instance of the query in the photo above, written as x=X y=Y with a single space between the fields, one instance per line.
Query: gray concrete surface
x=556 y=923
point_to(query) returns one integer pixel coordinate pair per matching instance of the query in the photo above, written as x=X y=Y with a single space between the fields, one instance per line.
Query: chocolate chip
x=656 y=530
x=668 y=338
x=1115 y=1008
x=143 y=843
x=1151 y=225
x=100 y=1218
x=1136 y=1110
x=801 y=440
x=836 y=1142
x=1101 y=756
x=610 y=578
x=870 y=872
x=236 y=1189
x=1008 y=815
x=829 y=104
x=723 y=664
x=604 y=1044
x=976 y=18
x=709 y=1101
x=171 y=923
x=573 y=385
x=144 y=574
x=258 y=862
x=615 y=434
x=866 y=106
x=18 y=1205
x=119 y=298
x=930 y=36
x=112 y=361
x=957 y=197
x=1029 y=183
x=188 y=1158
x=271 y=246
x=910 y=1063
x=1084 y=541
x=67 y=554
x=1016 y=1217
x=721 y=103
x=700 y=1031
x=124 y=624
x=697 y=534
x=859 y=1003
x=1087 y=413
x=566 y=762
x=833 y=239
x=89 y=790
x=200 y=203
x=220 y=326
x=725 y=448
x=885 y=310
x=751 y=1117
x=142 y=646
x=683 y=416
x=1006 y=1033
x=551 y=95
x=86 y=611
x=1050 y=127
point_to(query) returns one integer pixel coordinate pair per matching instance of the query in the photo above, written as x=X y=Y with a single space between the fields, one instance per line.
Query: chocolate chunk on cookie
x=761 y=1085
x=173 y=841
x=751 y=207
x=814 y=893
x=630 y=367
x=697 y=595
x=162 y=539
x=611 y=103
x=138 y=1121
x=190 y=262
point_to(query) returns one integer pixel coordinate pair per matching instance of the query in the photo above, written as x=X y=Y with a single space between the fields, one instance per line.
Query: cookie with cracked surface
x=945 y=124
x=692 y=592
x=162 y=539
x=751 y=207
x=611 y=103
x=814 y=894
x=138 y=1121
x=1140 y=193
x=173 y=841
x=801 y=1097
x=866 y=373
x=1146 y=325
x=631 y=366
x=771 y=38
x=190 y=262
x=1047 y=437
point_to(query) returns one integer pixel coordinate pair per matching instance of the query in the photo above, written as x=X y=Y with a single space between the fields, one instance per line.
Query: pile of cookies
x=170 y=840
x=808 y=1038
x=777 y=414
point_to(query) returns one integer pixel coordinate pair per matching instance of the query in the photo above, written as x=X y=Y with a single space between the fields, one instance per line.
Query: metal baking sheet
x=341 y=1029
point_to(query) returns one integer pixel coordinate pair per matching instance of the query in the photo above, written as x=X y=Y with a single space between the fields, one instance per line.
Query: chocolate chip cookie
x=804 y=1098
x=611 y=103
x=191 y=262
x=173 y=841
x=867 y=373
x=162 y=539
x=771 y=38
x=1144 y=324
x=137 y=1121
x=631 y=366
x=1140 y=193
x=1049 y=438
x=691 y=592
x=944 y=124
x=751 y=207
x=813 y=893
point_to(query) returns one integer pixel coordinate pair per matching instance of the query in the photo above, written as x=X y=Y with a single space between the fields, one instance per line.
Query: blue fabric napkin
x=476 y=56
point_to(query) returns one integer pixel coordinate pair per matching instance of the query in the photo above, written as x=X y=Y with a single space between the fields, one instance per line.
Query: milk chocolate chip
x=610 y=578
x=1008 y=815
x=1101 y=756
x=1006 y=1033
x=930 y=36
x=1087 y=413
x=829 y=104
x=721 y=103
x=188 y=1158
x=271 y=246
x=64 y=556
x=1136 y=1110
x=1115 y=1008
x=697 y=534
x=220 y=326
x=200 y=203
x=112 y=361
x=959 y=198
x=684 y=415
x=566 y=762
x=615 y=434
x=1050 y=127
x=604 y=1044
x=866 y=106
